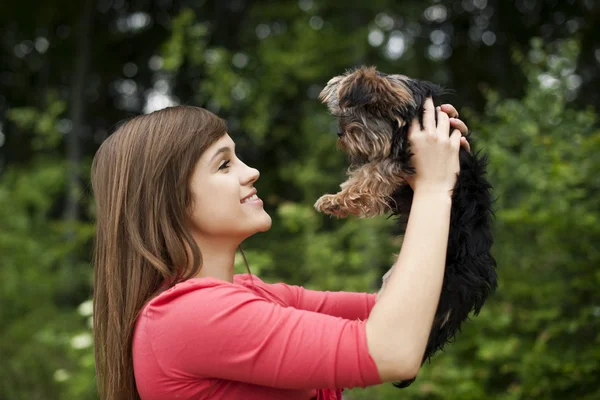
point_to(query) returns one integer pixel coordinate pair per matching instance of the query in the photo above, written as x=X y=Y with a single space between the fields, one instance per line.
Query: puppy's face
x=370 y=106
x=363 y=136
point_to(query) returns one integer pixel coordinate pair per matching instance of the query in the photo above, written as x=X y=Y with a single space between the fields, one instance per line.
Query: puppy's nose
x=340 y=132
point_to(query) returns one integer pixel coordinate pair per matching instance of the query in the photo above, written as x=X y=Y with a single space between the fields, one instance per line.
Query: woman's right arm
x=400 y=322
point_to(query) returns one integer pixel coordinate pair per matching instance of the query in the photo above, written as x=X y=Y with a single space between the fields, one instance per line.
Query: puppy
x=374 y=112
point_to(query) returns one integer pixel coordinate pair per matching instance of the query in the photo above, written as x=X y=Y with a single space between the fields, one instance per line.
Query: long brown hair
x=140 y=178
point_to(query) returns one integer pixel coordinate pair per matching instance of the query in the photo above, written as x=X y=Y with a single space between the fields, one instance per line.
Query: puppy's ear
x=365 y=87
x=328 y=94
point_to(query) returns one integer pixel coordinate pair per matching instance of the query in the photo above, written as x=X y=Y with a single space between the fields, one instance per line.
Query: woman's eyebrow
x=221 y=150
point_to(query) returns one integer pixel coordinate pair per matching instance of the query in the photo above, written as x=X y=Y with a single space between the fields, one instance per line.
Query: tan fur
x=363 y=142
x=329 y=94
x=365 y=194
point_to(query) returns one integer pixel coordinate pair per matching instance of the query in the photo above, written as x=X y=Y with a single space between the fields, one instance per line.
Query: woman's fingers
x=455 y=138
x=456 y=123
x=464 y=143
x=443 y=123
x=447 y=119
x=450 y=110
x=429 y=115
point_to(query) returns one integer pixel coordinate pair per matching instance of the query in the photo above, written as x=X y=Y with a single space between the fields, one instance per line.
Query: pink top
x=210 y=339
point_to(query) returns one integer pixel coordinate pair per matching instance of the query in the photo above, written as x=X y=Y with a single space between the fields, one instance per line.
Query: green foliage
x=42 y=123
x=36 y=285
x=537 y=337
x=184 y=29
x=547 y=235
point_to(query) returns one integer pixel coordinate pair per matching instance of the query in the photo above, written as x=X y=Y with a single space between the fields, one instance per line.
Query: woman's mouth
x=254 y=199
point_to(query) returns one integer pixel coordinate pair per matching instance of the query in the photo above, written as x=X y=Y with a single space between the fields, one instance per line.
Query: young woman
x=172 y=321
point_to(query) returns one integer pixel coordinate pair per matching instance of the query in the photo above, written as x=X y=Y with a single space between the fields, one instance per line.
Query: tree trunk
x=82 y=36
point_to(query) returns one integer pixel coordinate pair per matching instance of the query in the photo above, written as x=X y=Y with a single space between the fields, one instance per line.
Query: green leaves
x=45 y=124
x=183 y=29
x=36 y=286
x=542 y=164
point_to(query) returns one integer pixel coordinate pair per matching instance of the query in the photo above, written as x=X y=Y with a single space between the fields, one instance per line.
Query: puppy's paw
x=329 y=204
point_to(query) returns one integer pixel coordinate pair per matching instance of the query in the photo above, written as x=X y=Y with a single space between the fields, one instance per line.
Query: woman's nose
x=251 y=175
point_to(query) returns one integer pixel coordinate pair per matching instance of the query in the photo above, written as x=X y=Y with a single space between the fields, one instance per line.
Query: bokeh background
x=525 y=78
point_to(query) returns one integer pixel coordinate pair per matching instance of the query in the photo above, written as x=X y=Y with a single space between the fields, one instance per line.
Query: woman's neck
x=218 y=260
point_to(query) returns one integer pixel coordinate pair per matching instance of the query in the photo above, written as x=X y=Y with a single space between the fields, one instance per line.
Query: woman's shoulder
x=195 y=290
x=245 y=279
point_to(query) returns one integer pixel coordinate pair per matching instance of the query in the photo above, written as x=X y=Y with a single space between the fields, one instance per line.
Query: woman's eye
x=224 y=165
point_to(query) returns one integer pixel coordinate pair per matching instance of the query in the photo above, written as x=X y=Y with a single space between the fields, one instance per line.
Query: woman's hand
x=435 y=154
x=456 y=123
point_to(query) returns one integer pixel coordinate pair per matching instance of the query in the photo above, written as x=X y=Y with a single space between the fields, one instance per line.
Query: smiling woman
x=140 y=178
x=171 y=320
x=174 y=202
x=225 y=209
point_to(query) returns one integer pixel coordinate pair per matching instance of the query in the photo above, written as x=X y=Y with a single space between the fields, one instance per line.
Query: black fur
x=358 y=97
x=470 y=274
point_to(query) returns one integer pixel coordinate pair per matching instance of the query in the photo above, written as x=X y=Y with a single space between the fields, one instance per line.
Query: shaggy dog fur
x=374 y=111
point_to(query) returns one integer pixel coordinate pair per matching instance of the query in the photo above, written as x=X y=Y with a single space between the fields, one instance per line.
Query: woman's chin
x=266 y=224
x=260 y=225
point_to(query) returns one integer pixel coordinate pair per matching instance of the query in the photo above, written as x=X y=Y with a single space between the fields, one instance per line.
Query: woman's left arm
x=348 y=305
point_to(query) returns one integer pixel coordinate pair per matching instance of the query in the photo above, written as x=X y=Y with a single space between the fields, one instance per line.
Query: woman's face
x=222 y=189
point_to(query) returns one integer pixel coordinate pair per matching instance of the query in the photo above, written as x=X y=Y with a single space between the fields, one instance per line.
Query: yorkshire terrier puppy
x=374 y=112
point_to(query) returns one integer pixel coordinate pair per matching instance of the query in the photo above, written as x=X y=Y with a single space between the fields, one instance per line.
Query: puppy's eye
x=225 y=165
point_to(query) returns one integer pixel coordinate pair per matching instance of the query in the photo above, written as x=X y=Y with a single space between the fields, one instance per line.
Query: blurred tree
x=38 y=290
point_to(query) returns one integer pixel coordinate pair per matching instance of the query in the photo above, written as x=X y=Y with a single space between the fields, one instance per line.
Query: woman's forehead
x=224 y=140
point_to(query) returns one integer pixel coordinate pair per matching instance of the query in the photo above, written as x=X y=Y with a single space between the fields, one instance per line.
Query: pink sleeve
x=225 y=331
x=349 y=305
